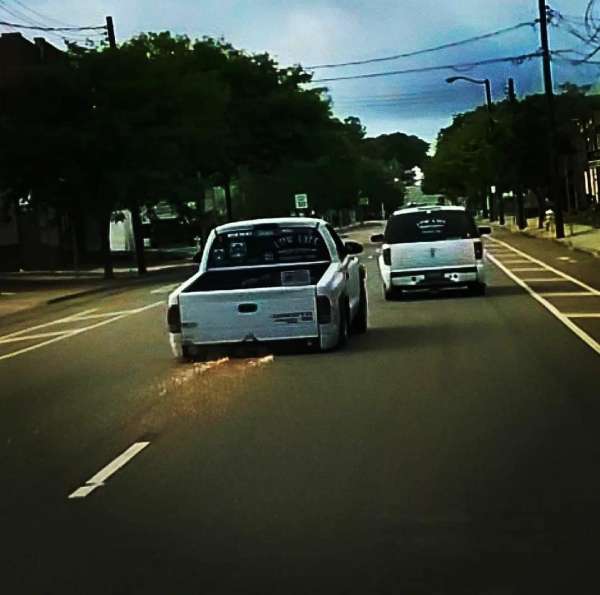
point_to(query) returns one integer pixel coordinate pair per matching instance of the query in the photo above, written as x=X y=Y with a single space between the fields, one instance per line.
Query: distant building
x=589 y=156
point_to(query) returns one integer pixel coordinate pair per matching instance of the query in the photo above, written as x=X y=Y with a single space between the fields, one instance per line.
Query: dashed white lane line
x=544 y=279
x=67 y=334
x=559 y=294
x=99 y=478
x=550 y=307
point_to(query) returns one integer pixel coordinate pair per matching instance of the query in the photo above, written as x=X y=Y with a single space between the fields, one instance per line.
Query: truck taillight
x=387 y=256
x=323 y=309
x=478 y=250
x=174 y=319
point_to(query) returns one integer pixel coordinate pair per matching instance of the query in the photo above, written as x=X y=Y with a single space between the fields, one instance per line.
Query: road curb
x=78 y=294
x=116 y=286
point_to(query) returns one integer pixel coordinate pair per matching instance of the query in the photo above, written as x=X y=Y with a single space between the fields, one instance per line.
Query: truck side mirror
x=485 y=230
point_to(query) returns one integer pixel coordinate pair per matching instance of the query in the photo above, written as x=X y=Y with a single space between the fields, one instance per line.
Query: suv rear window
x=430 y=226
x=269 y=244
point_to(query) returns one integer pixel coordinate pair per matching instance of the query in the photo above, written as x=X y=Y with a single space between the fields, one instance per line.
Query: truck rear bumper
x=326 y=340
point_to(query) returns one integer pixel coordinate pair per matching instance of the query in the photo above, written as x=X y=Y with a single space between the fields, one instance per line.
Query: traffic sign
x=363 y=201
x=301 y=201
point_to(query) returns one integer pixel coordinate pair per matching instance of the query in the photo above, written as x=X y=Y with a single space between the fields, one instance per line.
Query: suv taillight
x=387 y=256
x=323 y=309
x=174 y=319
x=478 y=250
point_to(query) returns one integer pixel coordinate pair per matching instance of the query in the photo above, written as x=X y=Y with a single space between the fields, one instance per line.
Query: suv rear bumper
x=442 y=277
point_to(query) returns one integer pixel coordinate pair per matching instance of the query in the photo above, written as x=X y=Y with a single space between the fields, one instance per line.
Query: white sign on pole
x=301 y=201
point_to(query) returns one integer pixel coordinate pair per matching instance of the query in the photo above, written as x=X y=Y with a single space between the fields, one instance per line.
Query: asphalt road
x=454 y=448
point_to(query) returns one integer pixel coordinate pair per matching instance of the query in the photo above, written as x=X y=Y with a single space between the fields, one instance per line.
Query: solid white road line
x=45 y=324
x=527 y=270
x=519 y=261
x=32 y=337
x=583 y=315
x=77 y=331
x=549 y=268
x=98 y=480
x=165 y=288
x=552 y=309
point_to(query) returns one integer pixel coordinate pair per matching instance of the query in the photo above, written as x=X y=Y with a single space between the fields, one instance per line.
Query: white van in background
x=432 y=247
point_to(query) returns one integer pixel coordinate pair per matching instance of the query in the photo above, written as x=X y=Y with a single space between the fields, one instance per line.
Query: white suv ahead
x=431 y=247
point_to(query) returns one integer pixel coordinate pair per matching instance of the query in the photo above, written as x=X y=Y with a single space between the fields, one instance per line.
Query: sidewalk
x=579 y=237
x=23 y=290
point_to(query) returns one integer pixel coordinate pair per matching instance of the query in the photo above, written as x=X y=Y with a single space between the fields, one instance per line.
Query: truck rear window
x=430 y=226
x=267 y=245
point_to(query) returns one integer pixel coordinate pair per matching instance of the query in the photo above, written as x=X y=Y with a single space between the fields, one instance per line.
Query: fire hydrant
x=549 y=220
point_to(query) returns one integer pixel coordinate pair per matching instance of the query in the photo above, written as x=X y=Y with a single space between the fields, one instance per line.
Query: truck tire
x=389 y=294
x=344 y=326
x=361 y=320
x=186 y=355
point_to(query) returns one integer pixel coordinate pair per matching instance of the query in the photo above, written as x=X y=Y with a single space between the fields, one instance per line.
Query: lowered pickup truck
x=267 y=280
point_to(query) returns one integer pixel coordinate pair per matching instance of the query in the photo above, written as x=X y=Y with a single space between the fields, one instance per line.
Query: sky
x=313 y=32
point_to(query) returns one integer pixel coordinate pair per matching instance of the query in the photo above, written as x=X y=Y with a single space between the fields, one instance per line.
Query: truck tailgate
x=268 y=314
x=425 y=255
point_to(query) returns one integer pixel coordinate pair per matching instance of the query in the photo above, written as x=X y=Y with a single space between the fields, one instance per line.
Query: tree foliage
x=147 y=122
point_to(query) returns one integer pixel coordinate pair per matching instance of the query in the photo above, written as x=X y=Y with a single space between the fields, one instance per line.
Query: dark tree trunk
x=138 y=238
x=228 y=204
x=104 y=228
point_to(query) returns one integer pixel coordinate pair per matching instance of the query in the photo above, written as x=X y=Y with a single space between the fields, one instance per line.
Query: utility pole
x=110 y=28
x=555 y=186
x=521 y=221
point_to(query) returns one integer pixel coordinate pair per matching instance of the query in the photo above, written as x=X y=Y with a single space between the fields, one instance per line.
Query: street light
x=488 y=100
x=485 y=82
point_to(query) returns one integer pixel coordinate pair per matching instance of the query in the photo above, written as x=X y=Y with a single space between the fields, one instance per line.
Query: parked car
x=432 y=247
x=271 y=280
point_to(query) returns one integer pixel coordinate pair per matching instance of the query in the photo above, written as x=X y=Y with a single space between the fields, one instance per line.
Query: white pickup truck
x=270 y=280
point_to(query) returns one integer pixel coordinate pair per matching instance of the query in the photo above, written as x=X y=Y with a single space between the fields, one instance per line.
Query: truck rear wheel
x=361 y=320
x=343 y=327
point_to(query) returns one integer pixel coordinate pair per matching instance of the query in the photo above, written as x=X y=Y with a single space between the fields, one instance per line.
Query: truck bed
x=257 y=277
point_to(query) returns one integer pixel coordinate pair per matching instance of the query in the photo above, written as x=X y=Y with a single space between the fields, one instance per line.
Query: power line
x=428 y=50
x=74 y=34
x=42 y=15
x=456 y=67
x=52 y=29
